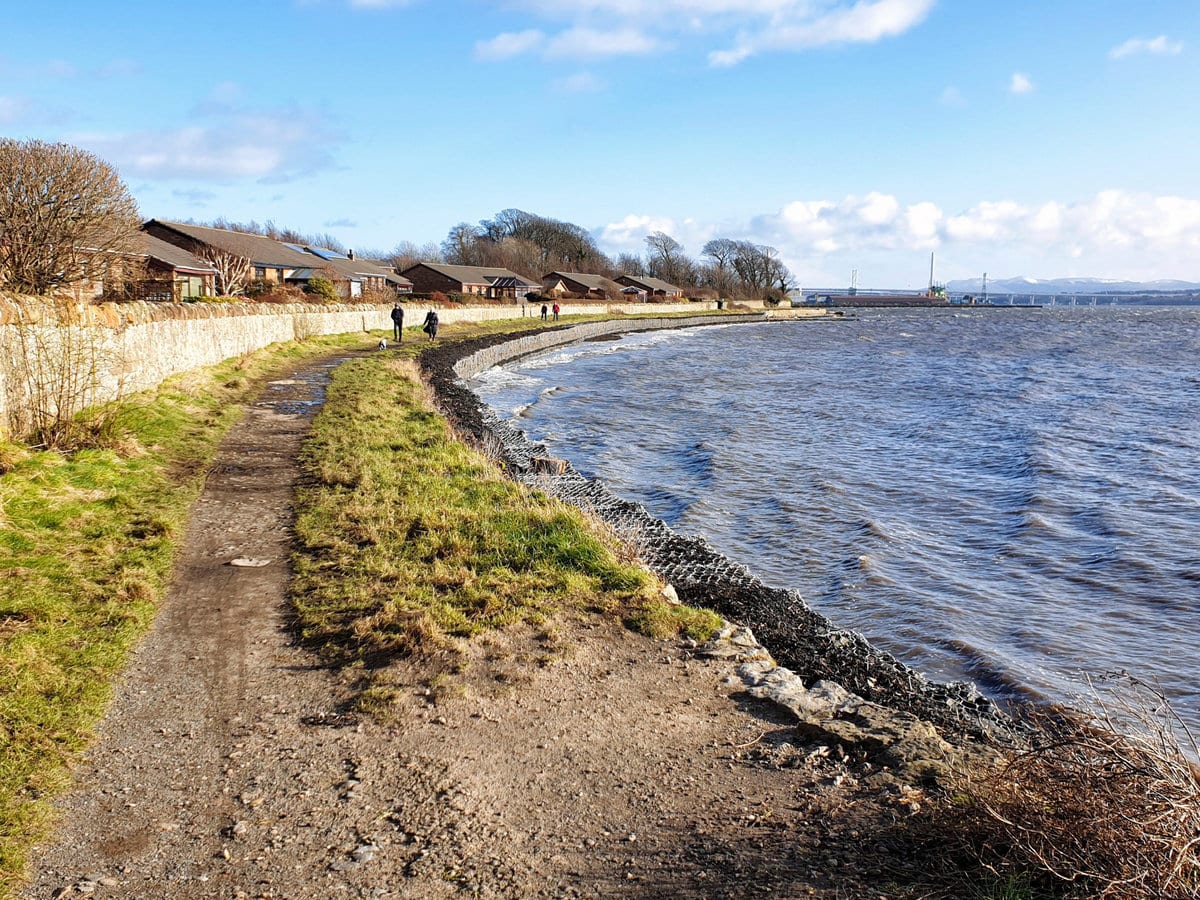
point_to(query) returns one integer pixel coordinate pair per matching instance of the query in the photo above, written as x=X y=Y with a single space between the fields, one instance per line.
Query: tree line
x=66 y=215
x=530 y=244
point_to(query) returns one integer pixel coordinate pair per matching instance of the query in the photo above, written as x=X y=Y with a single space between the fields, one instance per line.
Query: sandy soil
x=591 y=762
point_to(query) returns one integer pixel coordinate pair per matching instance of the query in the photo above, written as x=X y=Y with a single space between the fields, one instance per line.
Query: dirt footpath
x=603 y=765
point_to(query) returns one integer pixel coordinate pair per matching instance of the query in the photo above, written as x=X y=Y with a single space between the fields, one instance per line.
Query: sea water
x=1009 y=496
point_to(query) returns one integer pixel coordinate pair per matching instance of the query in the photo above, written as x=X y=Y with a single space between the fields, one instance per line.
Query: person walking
x=431 y=324
x=398 y=323
x=555 y=312
x=544 y=311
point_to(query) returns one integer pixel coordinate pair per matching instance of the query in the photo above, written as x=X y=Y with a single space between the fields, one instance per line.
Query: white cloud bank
x=1116 y=233
x=268 y=148
x=1159 y=46
x=598 y=28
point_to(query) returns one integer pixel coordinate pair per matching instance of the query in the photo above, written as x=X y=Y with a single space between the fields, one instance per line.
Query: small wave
x=872 y=528
x=497 y=379
x=995 y=679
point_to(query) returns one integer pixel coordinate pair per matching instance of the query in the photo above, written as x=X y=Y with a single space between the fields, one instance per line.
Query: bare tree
x=406 y=254
x=233 y=271
x=559 y=244
x=630 y=264
x=667 y=259
x=65 y=215
x=461 y=247
x=759 y=269
x=721 y=252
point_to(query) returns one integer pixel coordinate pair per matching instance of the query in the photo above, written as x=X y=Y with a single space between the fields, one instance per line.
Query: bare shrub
x=305 y=326
x=379 y=296
x=1104 y=806
x=60 y=395
x=283 y=293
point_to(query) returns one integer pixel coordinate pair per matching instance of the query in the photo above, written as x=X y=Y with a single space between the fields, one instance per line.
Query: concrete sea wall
x=73 y=355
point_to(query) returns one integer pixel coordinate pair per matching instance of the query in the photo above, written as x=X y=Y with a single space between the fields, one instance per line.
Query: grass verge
x=410 y=542
x=87 y=540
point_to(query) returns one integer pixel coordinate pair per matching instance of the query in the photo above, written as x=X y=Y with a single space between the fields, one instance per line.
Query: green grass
x=410 y=542
x=87 y=540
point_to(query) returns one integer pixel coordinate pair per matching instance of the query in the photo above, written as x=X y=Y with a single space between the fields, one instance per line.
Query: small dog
x=383 y=343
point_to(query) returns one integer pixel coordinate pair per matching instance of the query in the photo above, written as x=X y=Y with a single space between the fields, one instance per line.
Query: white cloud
x=952 y=96
x=798 y=28
x=60 y=68
x=120 y=68
x=629 y=235
x=591 y=42
x=225 y=97
x=749 y=27
x=579 y=83
x=1159 y=46
x=253 y=146
x=1118 y=234
x=1020 y=84
x=11 y=109
x=573 y=43
x=509 y=44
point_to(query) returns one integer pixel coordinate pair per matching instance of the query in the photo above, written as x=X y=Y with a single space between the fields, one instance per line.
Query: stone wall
x=79 y=354
x=485 y=358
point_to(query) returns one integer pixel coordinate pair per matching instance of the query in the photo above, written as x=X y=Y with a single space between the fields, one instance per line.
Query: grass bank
x=87 y=540
x=410 y=542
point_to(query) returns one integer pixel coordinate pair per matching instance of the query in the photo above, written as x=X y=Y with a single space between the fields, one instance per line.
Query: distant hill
x=1023 y=285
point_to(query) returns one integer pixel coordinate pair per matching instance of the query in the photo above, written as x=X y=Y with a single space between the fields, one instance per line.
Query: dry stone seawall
x=68 y=354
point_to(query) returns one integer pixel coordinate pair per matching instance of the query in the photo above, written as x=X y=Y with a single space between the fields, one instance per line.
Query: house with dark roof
x=278 y=262
x=596 y=287
x=271 y=262
x=351 y=276
x=655 y=288
x=480 y=281
x=149 y=270
x=173 y=273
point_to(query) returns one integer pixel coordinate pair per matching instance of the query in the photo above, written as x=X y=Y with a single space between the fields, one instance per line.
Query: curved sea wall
x=797 y=636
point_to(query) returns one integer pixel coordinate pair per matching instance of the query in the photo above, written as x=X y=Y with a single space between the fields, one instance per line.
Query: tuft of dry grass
x=1102 y=805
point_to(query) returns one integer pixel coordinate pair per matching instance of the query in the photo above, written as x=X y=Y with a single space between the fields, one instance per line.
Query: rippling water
x=1011 y=496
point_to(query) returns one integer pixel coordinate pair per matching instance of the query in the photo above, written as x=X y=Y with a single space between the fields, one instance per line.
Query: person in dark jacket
x=398 y=323
x=545 y=311
x=431 y=324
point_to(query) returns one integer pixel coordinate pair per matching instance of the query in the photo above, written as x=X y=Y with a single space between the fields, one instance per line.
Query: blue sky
x=1019 y=138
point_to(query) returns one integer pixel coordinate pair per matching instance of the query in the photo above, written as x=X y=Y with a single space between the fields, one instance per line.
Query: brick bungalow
x=480 y=281
x=150 y=270
x=174 y=274
x=270 y=261
x=655 y=288
x=350 y=275
x=595 y=287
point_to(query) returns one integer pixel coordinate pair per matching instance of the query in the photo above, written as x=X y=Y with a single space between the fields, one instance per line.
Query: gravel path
x=600 y=764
